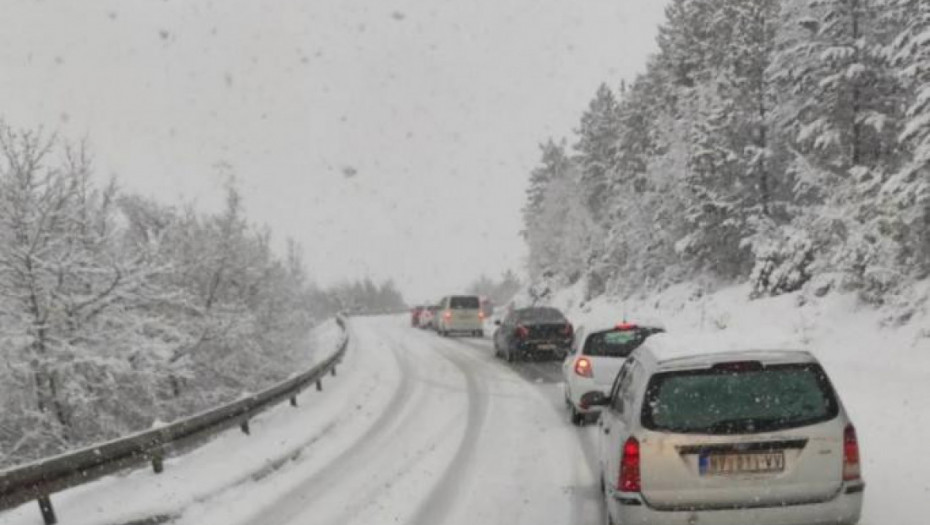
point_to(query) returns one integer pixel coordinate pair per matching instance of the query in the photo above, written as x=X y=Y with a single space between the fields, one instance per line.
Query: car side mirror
x=594 y=398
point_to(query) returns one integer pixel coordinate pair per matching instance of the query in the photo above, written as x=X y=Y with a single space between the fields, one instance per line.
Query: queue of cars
x=687 y=436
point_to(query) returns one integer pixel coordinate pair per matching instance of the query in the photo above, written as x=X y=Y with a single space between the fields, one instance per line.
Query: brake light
x=447 y=315
x=625 y=326
x=630 y=480
x=522 y=332
x=851 y=468
x=583 y=367
x=480 y=315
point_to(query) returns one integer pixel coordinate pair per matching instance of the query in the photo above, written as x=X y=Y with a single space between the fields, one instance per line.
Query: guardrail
x=38 y=480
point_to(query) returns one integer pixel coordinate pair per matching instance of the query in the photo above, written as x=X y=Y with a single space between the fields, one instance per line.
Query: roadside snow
x=231 y=458
x=881 y=372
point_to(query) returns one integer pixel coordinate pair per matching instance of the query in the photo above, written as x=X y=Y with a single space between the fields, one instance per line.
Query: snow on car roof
x=701 y=349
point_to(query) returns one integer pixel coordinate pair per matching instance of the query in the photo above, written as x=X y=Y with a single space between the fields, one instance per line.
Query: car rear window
x=770 y=398
x=540 y=315
x=464 y=303
x=614 y=343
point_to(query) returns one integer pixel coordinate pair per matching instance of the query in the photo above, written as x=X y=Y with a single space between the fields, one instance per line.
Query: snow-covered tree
x=116 y=311
x=598 y=135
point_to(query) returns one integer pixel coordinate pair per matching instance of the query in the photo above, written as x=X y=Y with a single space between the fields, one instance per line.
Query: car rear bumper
x=545 y=346
x=843 y=509
x=462 y=326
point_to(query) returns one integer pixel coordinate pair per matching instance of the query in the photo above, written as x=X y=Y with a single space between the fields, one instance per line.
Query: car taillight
x=851 y=469
x=522 y=331
x=447 y=315
x=480 y=314
x=567 y=329
x=583 y=367
x=629 y=480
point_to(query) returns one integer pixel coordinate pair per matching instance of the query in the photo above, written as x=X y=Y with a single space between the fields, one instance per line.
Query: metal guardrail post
x=333 y=371
x=319 y=385
x=158 y=463
x=245 y=427
x=48 y=512
x=293 y=401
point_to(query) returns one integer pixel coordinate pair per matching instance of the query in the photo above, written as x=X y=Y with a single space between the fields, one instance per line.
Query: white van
x=460 y=314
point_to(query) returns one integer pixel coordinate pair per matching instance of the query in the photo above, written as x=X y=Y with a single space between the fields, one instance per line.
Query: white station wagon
x=753 y=437
x=594 y=359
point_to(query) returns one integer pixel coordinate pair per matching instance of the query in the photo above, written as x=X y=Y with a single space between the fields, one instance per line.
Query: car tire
x=578 y=418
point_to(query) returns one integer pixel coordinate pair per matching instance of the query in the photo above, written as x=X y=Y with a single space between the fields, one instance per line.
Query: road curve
x=434 y=430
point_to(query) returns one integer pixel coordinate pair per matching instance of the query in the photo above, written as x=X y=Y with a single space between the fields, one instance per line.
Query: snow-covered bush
x=783 y=264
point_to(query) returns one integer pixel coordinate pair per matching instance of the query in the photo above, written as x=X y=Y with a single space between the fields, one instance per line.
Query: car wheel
x=578 y=418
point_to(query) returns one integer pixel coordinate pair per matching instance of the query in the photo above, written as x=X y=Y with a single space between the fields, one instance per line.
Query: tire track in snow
x=545 y=376
x=443 y=495
x=296 y=500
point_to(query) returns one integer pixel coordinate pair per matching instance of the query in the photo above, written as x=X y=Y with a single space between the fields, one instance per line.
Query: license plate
x=546 y=347
x=754 y=463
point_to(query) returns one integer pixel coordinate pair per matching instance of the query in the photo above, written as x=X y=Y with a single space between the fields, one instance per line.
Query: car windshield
x=614 y=343
x=736 y=402
x=539 y=315
x=464 y=303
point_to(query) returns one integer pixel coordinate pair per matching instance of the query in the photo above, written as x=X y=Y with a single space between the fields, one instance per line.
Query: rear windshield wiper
x=732 y=426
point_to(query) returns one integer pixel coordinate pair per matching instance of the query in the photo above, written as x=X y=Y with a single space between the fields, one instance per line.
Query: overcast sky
x=391 y=138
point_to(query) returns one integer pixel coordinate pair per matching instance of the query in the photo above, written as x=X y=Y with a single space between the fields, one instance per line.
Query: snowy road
x=433 y=431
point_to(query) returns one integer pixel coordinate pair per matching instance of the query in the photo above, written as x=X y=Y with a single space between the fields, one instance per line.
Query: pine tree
x=909 y=188
x=598 y=135
x=554 y=164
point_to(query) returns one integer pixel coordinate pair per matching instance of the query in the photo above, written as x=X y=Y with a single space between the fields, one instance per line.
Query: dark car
x=533 y=332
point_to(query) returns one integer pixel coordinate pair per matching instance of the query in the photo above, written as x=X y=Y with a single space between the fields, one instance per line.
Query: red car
x=415 y=315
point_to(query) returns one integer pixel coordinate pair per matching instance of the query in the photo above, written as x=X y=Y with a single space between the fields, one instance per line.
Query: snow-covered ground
x=414 y=429
x=882 y=372
x=434 y=431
